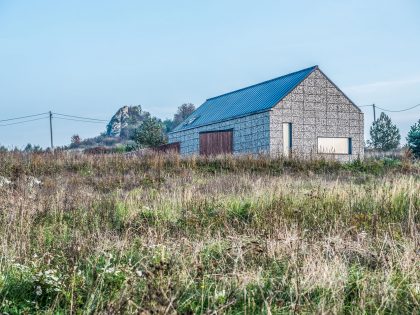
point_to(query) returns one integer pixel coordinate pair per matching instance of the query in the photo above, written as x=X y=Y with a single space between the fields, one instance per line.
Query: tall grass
x=161 y=234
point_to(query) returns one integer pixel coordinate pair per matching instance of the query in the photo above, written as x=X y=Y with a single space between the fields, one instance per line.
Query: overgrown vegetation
x=162 y=234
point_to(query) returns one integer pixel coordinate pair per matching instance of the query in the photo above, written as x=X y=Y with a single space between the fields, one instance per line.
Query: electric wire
x=390 y=110
x=100 y=121
x=80 y=117
x=398 y=111
x=22 y=122
x=22 y=117
x=79 y=120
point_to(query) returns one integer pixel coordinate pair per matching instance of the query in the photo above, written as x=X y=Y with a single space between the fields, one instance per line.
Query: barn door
x=216 y=142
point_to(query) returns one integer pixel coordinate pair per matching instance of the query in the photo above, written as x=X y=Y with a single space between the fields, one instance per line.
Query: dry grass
x=160 y=234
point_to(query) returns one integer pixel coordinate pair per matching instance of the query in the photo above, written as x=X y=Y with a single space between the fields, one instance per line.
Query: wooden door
x=216 y=142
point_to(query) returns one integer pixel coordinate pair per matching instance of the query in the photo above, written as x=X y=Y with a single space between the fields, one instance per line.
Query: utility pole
x=374 y=112
x=51 y=132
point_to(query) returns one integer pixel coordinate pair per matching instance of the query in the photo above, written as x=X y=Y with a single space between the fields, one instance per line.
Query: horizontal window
x=334 y=145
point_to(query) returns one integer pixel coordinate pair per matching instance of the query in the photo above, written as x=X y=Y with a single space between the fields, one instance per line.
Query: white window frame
x=349 y=146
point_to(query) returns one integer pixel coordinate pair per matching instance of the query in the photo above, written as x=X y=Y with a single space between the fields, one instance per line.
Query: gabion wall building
x=302 y=113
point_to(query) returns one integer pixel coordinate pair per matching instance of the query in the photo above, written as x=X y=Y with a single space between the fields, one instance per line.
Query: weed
x=248 y=235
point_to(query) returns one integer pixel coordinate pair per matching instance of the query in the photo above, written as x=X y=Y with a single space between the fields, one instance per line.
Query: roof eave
x=223 y=120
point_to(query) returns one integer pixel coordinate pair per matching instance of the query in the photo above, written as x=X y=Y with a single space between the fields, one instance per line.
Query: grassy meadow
x=115 y=234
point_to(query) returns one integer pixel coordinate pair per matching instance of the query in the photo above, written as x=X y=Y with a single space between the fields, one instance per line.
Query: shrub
x=149 y=134
x=413 y=139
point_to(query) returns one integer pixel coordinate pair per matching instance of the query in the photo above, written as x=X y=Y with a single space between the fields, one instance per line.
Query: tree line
x=384 y=134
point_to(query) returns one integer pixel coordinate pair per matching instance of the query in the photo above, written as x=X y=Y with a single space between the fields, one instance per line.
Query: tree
x=32 y=149
x=75 y=140
x=168 y=125
x=384 y=135
x=183 y=112
x=28 y=148
x=413 y=139
x=37 y=149
x=150 y=133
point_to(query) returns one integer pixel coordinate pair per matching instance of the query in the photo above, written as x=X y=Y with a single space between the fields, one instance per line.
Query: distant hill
x=118 y=131
x=125 y=121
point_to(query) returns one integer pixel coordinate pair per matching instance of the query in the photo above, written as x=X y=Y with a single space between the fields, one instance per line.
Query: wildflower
x=33 y=182
x=220 y=294
x=139 y=273
x=38 y=290
x=4 y=181
x=110 y=270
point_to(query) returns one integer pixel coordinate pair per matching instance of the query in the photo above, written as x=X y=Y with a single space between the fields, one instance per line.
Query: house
x=303 y=113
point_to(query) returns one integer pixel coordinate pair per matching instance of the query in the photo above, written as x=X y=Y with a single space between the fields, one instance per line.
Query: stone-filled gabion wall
x=316 y=108
x=250 y=134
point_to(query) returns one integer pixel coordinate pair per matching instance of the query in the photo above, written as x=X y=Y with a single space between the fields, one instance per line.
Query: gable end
x=344 y=94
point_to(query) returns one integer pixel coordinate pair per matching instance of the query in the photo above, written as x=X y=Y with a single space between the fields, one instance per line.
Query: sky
x=88 y=58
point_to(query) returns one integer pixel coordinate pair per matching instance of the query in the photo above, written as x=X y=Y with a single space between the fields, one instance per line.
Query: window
x=334 y=145
x=191 y=120
x=287 y=138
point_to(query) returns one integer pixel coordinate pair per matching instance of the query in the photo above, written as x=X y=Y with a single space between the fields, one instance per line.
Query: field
x=161 y=234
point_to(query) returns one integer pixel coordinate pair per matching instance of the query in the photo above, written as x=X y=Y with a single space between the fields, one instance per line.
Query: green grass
x=160 y=234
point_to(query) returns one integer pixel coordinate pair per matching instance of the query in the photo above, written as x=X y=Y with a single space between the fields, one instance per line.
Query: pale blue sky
x=88 y=58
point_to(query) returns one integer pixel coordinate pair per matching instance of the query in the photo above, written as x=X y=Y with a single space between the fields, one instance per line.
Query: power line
x=22 y=117
x=80 y=117
x=87 y=121
x=398 y=111
x=390 y=110
x=22 y=122
x=374 y=107
x=50 y=116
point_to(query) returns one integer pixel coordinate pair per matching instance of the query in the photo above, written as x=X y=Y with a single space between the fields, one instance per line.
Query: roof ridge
x=261 y=83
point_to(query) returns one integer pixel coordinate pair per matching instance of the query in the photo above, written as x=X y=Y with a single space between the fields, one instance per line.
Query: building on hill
x=302 y=113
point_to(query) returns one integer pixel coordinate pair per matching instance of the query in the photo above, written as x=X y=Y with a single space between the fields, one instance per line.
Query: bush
x=413 y=139
x=149 y=134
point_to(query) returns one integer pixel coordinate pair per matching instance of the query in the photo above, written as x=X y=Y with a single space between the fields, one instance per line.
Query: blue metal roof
x=250 y=100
